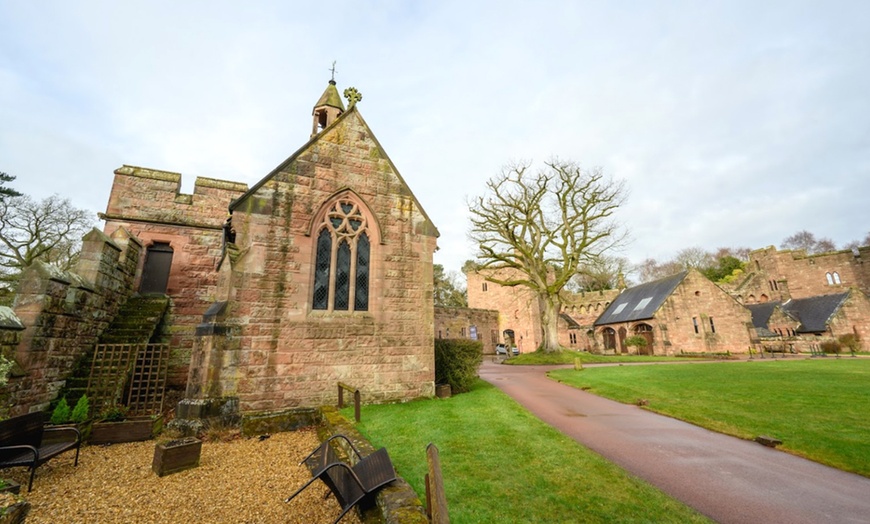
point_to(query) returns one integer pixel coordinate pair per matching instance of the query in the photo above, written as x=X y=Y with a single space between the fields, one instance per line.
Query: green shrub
x=113 y=414
x=831 y=346
x=80 y=412
x=60 y=415
x=636 y=340
x=456 y=363
x=851 y=341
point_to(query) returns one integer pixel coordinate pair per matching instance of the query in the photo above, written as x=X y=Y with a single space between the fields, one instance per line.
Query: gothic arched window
x=342 y=259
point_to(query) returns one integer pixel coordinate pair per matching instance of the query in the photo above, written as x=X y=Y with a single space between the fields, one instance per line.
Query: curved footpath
x=728 y=479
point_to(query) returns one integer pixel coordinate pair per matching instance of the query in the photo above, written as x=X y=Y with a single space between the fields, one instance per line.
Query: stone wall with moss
x=149 y=204
x=64 y=313
x=283 y=354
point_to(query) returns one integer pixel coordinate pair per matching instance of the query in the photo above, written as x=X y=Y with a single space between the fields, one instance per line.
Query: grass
x=567 y=357
x=818 y=408
x=501 y=464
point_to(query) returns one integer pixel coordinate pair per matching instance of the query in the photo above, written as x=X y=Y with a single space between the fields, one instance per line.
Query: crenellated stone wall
x=64 y=313
x=148 y=203
x=780 y=275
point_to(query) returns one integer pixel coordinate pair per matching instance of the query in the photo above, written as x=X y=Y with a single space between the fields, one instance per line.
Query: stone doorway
x=155 y=274
x=645 y=331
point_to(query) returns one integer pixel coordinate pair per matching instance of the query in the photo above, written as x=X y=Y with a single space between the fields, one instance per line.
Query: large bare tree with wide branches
x=49 y=230
x=537 y=228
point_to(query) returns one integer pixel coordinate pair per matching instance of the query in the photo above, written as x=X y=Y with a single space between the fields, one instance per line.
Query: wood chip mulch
x=242 y=481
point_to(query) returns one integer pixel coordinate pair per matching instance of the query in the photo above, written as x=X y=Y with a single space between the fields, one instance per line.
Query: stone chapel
x=319 y=273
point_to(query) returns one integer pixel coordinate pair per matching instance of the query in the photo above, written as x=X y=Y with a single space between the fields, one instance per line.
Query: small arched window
x=342 y=260
x=837 y=278
x=829 y=278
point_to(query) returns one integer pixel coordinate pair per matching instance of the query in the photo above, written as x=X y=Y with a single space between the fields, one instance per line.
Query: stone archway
x=645 y=331
x=609 y=339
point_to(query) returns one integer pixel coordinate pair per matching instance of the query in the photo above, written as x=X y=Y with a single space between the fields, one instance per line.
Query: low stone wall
x=397 y=503
x=469 y=323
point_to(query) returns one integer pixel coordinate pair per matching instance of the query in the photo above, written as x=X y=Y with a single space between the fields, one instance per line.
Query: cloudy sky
x=732 y=123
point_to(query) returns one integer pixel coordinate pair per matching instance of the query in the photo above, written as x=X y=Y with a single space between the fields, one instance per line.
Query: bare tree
x=694 y=257
x=808 y=242
x=740 y=253
x=650 y=269
x=536 y=229
x=49 y=230
x=858 y=243
x=599 y=274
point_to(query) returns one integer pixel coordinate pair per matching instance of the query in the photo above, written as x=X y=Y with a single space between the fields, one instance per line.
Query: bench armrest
x=24 y=447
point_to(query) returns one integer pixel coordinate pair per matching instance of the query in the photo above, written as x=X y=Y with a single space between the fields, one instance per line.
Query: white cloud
x=734 y=123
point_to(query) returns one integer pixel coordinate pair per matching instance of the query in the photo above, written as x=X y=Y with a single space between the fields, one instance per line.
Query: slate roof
x=761 y=317
x=814 y=313
x=640 y=302
x=572 y=324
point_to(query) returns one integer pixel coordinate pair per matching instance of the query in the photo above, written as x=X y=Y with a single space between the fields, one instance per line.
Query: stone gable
x=280 y=349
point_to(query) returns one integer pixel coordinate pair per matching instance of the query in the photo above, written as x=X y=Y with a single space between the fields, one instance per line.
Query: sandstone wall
x=698 y=298
x=63 y=314
x=278 y=352
x=780 y=275
x=454 y=322
x=149 y=204
x=517 y=307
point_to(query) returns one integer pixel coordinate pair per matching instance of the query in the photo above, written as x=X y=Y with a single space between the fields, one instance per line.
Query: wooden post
x=357 y=399
x=356 y=402
x=436 y=498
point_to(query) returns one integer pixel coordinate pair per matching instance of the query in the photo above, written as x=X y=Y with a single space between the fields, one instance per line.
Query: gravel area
x=242 y=481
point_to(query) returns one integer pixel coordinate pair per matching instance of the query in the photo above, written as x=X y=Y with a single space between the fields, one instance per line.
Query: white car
x=501 y=349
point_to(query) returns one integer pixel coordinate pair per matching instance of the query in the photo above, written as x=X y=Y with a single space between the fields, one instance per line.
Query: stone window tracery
x=342 y=259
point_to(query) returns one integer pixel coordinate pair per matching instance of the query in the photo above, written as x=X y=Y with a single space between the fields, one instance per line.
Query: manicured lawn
x=501 y=464
x=567 y=357
x=820 y=409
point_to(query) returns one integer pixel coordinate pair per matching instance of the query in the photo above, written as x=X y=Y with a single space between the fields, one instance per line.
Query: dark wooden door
x=155 y=274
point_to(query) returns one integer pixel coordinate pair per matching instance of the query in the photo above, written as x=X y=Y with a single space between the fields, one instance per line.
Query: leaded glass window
x=321 y=270
x=342 y=260
x=361 y=302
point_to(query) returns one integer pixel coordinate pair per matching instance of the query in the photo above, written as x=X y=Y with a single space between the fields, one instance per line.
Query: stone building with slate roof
x=681 y=313
x=802 y=324
x=322 y=274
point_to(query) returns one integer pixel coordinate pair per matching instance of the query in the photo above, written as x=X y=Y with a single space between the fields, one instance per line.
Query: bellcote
x=327 y=109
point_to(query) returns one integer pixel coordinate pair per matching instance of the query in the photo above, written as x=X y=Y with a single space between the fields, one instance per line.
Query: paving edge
x=397 y=503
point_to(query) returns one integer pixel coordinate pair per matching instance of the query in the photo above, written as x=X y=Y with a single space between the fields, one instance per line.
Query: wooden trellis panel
x=109 y=372
x=139 y=369
x=148 y=382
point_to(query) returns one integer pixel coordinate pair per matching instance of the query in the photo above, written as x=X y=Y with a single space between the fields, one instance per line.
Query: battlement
x=142 y=194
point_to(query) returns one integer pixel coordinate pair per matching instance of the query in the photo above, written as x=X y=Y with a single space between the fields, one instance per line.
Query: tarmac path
x=728 y=479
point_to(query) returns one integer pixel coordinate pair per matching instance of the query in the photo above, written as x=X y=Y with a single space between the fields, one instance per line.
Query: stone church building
x=319 y=273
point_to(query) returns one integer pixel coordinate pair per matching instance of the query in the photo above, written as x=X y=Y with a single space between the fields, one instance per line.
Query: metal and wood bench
x=21 y=442
x=349 y=484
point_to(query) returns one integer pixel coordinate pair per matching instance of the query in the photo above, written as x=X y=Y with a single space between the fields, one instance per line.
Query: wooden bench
x=349 y=484
x=21 y=443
